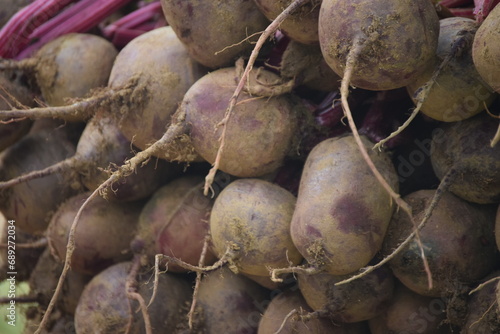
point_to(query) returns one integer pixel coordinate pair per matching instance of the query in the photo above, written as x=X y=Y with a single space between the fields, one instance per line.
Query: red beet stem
x=482 y=8
x=455 y=3
x=463 y=12
x=329 y=112
x=14 y=35
x=134 y=19
x=122 y=36
x=68 y=13
x=81 y=22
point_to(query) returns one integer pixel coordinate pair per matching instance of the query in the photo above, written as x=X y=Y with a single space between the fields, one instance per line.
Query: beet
x=356 y=301
x=458 y=91
x=253 y=217
x=174 y=222
x=55 y=69
x=163 y=76
x=409 y=312
x=214 y=32
x=464 y=147
x=485 y=50
x=31 y=204
x=481 y=316
x=269 y=124
x=342 y=212
x=12 y=93
x=101 y=222
x=43 y=280
x=457 y=239
x=229 y=303
x=281 y=305
x=105 y=308
x=394 y=41
x=301 y=25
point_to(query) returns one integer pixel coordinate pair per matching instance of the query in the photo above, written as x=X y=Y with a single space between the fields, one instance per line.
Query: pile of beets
x=236 y=166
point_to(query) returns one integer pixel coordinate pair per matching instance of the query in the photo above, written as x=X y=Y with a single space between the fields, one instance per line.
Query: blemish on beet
x=185 y=33
x=313 y=231
x=353 y=216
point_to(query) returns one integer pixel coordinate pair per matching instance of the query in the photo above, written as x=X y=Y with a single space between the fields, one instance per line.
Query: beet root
x=458 y=91
x=275 y=317
x=397 y=40
x=13 y=93
x=214 y=32
x=101 y=222
x=101 y=146
x=342 y=211
x=485 y=50
x=409 y=312
x=104 y=307
x=301 y=25
x=269 y=124
x=229 y=303
x=464 y=147
x=357 y=301
x=174 y=222
x=253 y=217
x=31 y=204
x=163 y=76
x=481 y=316
x=43 y=281
x=56 y=68
x=457 y=239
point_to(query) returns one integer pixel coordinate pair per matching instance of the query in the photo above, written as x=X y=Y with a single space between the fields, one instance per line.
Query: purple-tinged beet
x=458 y=241
x=229 y=303
x=70 y=66
x=356 y=301
x=103 y=236
x=13 y=93
x=253 y=216
x=464 y=147
x=342 y=211
x=263 y=124
x=301 y=25
x=280 y=306
x=392 y=41
x=104 y=307
x=409 y=312
x=164 y=72
x=306 y=65
x=43 y=281
x=459 y=91
x=215 y=32
x=174 y=222
x=483 y=313
x=100 y=147
x=485 y=50
x=32 y=203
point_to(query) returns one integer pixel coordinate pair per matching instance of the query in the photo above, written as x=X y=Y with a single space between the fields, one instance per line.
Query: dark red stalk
x=455 y=3
x=329 y=112
x=134 y=19
x=463 y=12
x=83 y=21
x=385 y=115
x=68 y=13
x=274 y=60
x=482 y=8
x=14 y=35
x=122 y=36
